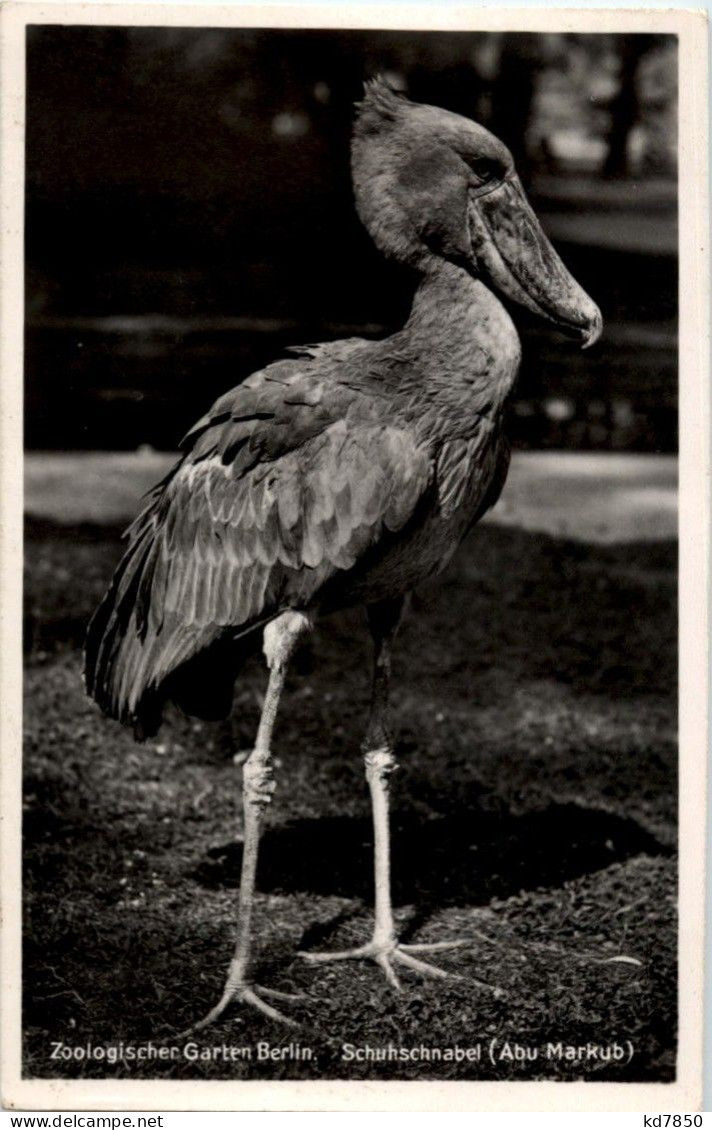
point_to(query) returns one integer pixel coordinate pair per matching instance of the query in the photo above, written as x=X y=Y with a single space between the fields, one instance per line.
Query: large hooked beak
x=510 y=248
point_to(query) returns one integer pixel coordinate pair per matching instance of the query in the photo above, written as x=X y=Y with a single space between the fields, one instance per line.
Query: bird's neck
x=463 y=333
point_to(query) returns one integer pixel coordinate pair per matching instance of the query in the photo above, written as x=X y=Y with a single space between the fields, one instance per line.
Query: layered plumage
x=351 y=471
x=295 y=489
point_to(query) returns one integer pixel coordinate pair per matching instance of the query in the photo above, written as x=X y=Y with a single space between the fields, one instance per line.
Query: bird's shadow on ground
x=467 y=854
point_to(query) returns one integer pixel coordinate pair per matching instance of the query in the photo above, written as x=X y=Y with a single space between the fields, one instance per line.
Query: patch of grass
x=534 y=816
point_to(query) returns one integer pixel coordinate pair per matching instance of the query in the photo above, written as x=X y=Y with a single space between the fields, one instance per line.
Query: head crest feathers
x=380 y=103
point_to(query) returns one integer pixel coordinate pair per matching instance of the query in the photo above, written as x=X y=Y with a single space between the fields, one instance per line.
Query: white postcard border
x=686 y=1092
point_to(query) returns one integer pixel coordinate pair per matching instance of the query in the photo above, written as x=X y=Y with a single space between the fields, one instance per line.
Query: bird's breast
x=464 y=471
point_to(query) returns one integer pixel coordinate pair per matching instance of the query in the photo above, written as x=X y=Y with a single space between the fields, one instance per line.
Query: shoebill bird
x=347 y=473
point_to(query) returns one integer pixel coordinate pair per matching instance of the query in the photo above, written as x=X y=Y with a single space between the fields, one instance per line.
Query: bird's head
x=432 y=185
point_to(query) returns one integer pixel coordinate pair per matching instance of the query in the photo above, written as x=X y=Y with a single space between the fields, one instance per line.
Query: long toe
x=210 y=1017
x=386 y=955
x=384 y=960
x=423 y=967
x=245 y=994
x=373 y=951
x=434 y=947
x=338 y=955
x=278 y=995
x=250 y=997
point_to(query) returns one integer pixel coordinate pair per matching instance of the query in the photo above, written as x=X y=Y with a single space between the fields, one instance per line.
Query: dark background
x=189 y=214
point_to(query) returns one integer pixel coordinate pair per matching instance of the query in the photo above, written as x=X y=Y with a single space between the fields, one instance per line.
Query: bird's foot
x=388 y=953
x=248 y=994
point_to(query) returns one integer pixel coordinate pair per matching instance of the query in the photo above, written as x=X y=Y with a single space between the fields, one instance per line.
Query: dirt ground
x=534 y=817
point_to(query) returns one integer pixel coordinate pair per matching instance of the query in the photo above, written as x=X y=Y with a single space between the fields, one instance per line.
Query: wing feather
x=276 y=494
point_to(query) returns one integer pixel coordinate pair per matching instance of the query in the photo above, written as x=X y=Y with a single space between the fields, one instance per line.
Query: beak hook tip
x=594 y=332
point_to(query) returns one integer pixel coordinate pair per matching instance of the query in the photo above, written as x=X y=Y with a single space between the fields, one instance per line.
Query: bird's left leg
x=280 y=640
x=378 y=750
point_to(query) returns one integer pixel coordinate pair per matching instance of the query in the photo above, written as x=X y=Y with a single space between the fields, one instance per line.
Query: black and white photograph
x=350 y=717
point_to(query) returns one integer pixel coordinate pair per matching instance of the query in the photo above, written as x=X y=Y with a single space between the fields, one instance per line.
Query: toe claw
x=390 y=974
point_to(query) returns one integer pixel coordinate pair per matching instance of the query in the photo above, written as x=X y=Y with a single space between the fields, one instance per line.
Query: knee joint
x=380 y=763
x=281 y=635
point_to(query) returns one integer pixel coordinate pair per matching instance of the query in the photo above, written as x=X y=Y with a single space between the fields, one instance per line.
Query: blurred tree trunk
x=513 y=94
x=624 y=108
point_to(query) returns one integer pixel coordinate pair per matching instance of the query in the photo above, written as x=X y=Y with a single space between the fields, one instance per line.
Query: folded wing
x=286 y=482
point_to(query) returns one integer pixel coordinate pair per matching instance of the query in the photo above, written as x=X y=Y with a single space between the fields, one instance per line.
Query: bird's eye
x=486 y=169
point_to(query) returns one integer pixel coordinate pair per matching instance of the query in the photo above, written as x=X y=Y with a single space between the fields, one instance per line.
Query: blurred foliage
x=202 y=174
x=561 y=99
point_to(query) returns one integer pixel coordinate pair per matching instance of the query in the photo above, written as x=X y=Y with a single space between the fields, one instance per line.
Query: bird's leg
x=280 y=640
x=379 y=757
x=380 y=761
